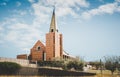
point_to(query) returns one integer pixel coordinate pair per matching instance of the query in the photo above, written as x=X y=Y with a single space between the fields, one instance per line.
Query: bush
x=77 y=65
x=9 y=68
x=96 y=64
x=51 y=63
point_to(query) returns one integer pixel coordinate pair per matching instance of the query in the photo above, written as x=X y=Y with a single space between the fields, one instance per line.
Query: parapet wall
x=24 y=63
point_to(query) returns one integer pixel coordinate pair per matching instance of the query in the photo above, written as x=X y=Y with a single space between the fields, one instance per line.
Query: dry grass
x=98 y=75
x=47 y=76
x=22 y=76
x=106 y=73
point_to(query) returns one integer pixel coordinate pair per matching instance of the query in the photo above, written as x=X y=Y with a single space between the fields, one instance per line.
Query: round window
x=38 y=48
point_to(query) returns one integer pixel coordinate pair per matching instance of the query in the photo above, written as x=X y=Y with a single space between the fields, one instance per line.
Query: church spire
x=53 y=25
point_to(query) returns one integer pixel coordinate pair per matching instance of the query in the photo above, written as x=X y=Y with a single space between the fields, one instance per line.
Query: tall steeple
x=54 y=43
x=53 y=25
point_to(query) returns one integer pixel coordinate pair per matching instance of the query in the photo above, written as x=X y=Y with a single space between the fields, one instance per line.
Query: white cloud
x=109 y=8
x=41 y=13
x=23 y=13
x=117 y=0
x=24 y=35
x=101 y=1
x=42 y=9
x=3 y=4
x=19 y=26
x=11 y=36
x=20 y=34
x=18 y=4
x=20 y=12
x=1 y=28
x=63 y=7
x=71 y=3
x=65 y=11
x=118 y=9
x=32 y=1
x=86 y=15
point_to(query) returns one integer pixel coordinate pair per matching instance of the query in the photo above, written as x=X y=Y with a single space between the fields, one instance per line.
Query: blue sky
x=90 y=28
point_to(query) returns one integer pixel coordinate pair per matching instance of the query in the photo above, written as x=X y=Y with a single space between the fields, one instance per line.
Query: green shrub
x=9 y=68
x=77 y=65
x=51 y=63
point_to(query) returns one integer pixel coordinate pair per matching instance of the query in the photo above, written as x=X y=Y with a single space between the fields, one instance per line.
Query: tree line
x=111 y=63
x=65 y=65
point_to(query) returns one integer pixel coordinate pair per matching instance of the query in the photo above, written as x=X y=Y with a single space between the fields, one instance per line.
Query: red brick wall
x=36 y=53
x=61 y=45
x=50 y=46
x=22 y=56
x=53 y=45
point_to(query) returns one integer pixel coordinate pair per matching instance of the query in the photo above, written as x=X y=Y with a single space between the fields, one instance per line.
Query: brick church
x=53 y=48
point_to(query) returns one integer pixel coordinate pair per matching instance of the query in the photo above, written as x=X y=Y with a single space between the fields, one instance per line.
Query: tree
x=96 y=64
x=118 y=63
x=110 y=66
x=77 y=65
x=112 y=63
x=9 y=68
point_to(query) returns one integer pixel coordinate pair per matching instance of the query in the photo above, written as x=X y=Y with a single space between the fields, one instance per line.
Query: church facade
x=53 y=48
